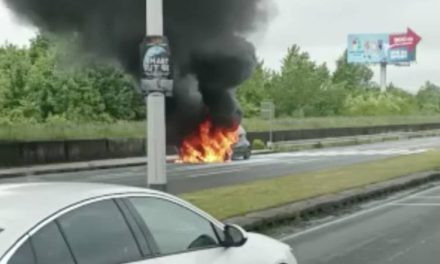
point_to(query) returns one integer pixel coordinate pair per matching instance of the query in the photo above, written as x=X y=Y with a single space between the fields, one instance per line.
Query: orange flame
x=209 y=144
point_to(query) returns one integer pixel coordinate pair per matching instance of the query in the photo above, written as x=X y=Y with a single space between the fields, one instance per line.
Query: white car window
x=24 y=255
x=99 y=234
x=50 y=247
x=47 y=246
x=175 y=228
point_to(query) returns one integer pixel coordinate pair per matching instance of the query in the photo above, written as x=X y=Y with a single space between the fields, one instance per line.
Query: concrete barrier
x=18 y=154
x=42 y=152
x=303 y=134
x=80 y=150
x=10 y=154
x=121 y=148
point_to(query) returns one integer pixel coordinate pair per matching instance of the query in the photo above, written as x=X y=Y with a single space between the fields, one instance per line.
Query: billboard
x=382 y=48
x=367 y=48
x=401 y=54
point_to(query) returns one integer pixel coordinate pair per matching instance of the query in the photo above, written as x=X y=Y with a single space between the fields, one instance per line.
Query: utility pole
x=383 y=76
x=156 y=80
x=268 y=113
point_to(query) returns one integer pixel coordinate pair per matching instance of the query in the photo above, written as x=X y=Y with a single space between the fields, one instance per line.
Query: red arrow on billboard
x=409 y=39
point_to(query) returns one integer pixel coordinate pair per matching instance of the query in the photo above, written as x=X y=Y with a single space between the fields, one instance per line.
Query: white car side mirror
x=235 y=236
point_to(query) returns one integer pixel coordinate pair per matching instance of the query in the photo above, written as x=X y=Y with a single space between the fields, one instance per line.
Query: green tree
x=355 y=76
x=14 y=70
x=36 y=85
x=296 y=90
x=254 y=91
x=428 y=98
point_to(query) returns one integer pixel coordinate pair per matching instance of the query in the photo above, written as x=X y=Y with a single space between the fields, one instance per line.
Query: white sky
x=12 y=30
x=320 y=27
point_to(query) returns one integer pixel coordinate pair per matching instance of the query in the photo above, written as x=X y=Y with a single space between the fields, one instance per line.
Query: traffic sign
x=267 y=110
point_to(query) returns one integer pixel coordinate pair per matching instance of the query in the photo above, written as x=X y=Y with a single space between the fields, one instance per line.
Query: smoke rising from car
x=210 y=55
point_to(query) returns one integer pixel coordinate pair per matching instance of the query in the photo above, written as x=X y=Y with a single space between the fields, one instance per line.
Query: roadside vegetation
x=225 y=202
x=304 y=89
x=48 y=91
x=257 y=124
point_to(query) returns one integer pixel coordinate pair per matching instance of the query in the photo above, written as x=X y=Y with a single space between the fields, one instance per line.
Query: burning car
x=242 y=149
x=208 y=144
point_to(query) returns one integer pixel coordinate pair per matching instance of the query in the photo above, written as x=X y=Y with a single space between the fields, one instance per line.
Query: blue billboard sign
x=368 y=48
x=401 y=54
x=382 y=48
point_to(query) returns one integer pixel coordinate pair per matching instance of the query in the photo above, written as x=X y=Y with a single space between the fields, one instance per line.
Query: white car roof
x=23 y=206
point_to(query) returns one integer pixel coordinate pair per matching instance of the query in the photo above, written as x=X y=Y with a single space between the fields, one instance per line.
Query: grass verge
x=241 y=199
x=30 y=132
x=334 y=122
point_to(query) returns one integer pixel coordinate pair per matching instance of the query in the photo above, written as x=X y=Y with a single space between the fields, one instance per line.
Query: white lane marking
x=299 y=161
x=220 y=165
x=428 y=197
x=355 y=215
x=215 y=173
x=356 y=153
x=241 y=164
x=416 y=204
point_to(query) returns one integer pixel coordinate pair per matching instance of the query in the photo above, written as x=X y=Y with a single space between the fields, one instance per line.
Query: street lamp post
x=155 y=101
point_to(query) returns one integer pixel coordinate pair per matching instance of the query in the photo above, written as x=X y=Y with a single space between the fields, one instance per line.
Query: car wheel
x=247 y=155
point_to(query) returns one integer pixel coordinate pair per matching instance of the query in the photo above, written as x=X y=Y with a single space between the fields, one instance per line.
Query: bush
x=258 y=144
x=378 y=104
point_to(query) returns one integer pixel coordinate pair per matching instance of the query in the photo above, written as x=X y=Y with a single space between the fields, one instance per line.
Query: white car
x=74 y=223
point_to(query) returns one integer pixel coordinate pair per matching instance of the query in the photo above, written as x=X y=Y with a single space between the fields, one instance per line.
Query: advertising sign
x=408 y=40
x=382 y=48
x=156 y=68
x=156 y=58
x=401 y=54
x=367 y=48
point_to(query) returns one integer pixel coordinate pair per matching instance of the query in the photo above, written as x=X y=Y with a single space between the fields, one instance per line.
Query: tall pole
x=156 y=177
x=383 y=76
x=272 y=116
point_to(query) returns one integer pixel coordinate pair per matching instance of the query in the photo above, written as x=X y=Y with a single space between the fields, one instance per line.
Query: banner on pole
x=156 y=66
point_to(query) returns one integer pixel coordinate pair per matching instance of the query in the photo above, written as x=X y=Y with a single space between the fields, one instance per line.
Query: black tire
x=247 y=155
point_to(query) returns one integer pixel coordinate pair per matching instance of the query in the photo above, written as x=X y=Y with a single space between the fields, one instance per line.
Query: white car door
x=246 y=254
x=184 y=236
x=212 y=256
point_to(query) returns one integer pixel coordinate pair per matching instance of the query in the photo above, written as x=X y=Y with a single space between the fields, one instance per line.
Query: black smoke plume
x=210 y=56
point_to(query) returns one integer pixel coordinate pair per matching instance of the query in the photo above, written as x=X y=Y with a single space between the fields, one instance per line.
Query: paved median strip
x=257 y=196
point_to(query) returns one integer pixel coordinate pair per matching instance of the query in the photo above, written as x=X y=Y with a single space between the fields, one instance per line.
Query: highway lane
x=188 y=178
x=403 y=231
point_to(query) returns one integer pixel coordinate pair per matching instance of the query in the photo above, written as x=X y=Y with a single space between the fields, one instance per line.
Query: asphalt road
x=403 y=231
x=188 y=178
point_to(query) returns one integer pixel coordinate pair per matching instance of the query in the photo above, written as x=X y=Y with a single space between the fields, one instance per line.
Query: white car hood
x=269 y=250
